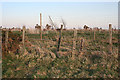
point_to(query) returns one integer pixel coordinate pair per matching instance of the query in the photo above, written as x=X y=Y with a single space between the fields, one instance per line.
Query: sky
x=59 y=0
x=75 y=14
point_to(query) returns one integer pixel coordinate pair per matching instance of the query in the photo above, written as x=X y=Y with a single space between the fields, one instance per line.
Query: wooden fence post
x=110 y=38
x=1 y=52
x=58 y=47
x=81 y=44
x=74 y=42
x=6 y=38
x=23 y=37
x=94 y=34
x=40 y=26
x=0 y=41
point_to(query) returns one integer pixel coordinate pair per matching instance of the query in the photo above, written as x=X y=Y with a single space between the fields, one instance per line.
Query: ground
x=37 y=58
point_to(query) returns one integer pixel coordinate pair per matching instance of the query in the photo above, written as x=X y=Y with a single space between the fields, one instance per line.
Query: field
x=37 y=58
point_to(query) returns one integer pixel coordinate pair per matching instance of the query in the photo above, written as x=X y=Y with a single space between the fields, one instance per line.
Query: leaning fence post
x=60 y=34
x=74 y=42
x=110 y=38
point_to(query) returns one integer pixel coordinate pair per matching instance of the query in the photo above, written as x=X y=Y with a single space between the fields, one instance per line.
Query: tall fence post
x=74 y=43
x=58 y=47
x=110 y=38
x=40 y=26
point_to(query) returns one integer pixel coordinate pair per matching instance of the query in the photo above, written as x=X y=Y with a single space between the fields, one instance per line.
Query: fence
x=63 y=42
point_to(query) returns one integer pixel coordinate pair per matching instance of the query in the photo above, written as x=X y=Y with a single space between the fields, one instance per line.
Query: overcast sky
x=75 y=14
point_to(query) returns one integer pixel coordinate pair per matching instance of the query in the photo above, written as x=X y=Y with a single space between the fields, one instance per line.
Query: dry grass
x=37 y=60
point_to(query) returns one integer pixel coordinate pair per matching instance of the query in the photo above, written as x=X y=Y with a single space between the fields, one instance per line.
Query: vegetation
x=34 y=59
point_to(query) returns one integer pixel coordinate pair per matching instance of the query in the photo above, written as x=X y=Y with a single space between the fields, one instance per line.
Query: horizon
x=77 y=14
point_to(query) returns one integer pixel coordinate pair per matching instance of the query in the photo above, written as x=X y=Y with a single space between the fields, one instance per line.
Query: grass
x=93 y=62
